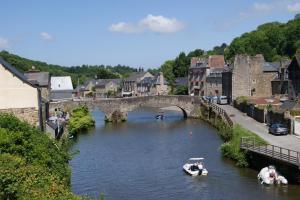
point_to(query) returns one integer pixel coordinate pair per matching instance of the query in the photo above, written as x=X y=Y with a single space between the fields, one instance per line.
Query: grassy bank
x=80 y=120
x=231 y=148
x=32 y=166
x=230 y=135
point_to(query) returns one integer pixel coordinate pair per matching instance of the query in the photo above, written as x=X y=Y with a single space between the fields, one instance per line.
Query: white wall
x=14 y=93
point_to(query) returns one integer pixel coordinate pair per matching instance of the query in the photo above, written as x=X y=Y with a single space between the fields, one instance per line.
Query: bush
x=295 y=112
x=32 y=166
x=242 y=99
x=231 y=149
x=81 y=120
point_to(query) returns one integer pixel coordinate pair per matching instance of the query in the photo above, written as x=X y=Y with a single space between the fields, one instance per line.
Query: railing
x=276 y=152
x=221 y=112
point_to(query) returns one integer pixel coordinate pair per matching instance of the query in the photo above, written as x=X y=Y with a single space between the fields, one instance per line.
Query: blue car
x=278 y=129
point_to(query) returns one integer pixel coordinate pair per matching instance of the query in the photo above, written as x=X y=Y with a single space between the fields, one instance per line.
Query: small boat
x=269 y=176
x=161 y=117
x=195 y=167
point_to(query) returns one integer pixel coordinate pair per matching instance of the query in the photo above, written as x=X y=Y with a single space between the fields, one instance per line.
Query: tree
x=167 y=70
x=181 y=90
x=181 y=65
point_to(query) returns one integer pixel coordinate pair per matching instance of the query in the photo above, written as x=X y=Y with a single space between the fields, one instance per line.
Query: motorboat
x=269 y=176
x=160 y=116
x=195 y=167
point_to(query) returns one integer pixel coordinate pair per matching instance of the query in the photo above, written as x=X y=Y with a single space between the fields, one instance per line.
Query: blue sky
x=130 y=32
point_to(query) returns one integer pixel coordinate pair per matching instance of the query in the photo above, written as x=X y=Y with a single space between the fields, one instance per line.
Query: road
x=287 y=141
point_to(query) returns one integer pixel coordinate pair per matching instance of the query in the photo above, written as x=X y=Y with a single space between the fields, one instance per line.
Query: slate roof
x=15 y=72
x=271 y=66
x=181 y=81
x=103 y=82
x=134 y=76
x=290 y=105
x=61 y=83
x=40 y=78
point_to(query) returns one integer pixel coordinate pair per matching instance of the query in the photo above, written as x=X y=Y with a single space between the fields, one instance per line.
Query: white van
x=222 y=100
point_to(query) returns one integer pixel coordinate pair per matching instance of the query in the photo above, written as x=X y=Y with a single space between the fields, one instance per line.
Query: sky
x=138 y=33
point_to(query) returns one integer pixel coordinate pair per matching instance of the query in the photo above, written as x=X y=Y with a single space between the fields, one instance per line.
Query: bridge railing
x=221 y=112
x=276 y=152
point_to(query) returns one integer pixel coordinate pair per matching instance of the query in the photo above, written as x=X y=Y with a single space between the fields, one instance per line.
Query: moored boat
x=269 y=176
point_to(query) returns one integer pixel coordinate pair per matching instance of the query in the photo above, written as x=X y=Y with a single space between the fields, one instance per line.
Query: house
x=280 y=84
x=294 y=78
x=85 y=90
x=249 y=76
x=159 y=85
x=19 y=96
x=205 y=76
x=40 y=79
x=61 y=88
x=134 y=84
x=107 y=88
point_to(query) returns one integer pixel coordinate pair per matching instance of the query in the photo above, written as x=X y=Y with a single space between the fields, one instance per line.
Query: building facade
x=19 y=96
x=294 y=78
x=205 y=76
x=249 y=76
x=61 y=88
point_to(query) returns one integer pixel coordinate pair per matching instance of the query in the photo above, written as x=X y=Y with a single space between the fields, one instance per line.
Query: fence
x=276 y=152
x=222 y=113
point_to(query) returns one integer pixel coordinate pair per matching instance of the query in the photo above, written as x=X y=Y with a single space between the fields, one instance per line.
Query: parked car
x=278 y=129
x=222 y=100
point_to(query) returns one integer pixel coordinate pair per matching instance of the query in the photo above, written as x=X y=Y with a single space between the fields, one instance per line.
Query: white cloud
x=46 y=36
x=123 y=27
x=161 y=24
x=4 y=43
x=262 y=7
x=158 y=24
x=294 y=7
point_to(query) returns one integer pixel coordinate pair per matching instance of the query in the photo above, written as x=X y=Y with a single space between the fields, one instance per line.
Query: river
x=143 y=157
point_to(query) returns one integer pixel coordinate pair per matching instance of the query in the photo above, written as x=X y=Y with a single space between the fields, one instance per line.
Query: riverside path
x=287 y=141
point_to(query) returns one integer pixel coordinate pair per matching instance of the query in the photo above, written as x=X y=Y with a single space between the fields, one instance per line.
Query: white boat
x=195 y=167
x=269 y=176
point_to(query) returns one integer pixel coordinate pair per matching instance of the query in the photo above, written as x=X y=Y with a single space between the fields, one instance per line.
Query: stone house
x=61 y=88
x=249 y=76
x=40 y=79
x=159 y=85
x=107 y=87
x=134 y=84
x=294 y=78
x=205 y=76
x=19 y=96
x=85 y=90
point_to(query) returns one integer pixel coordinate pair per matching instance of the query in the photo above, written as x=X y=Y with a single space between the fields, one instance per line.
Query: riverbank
x=231 y=136
x=32 y=166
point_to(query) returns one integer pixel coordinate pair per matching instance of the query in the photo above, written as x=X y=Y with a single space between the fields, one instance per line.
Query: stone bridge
x=116 y=109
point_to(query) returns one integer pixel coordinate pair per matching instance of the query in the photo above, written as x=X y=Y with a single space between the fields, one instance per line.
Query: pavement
x=285 y=141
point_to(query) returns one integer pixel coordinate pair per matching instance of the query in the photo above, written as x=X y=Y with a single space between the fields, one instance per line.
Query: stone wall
x=241 y=77
x=29 y=115
x=249 y=79
x=213 y=84
x=120 y=107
